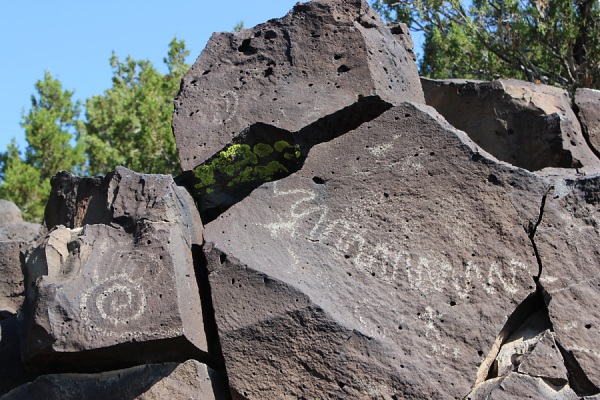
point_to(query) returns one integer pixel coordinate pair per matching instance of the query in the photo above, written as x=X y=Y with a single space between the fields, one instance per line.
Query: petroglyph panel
x=399 y=233
x=110 y=287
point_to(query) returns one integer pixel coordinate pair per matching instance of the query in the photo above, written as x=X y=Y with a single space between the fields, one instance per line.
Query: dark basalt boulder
x=118 y=287
x=322 y=57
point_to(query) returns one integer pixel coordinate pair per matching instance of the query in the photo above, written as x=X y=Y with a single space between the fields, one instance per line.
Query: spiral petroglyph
x=119 y=300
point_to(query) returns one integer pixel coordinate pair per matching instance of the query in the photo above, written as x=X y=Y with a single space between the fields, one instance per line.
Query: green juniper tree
x=52 y=126
x=129 y=125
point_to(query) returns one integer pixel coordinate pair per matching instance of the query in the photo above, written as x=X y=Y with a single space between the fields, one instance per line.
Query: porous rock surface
x=529 y=125
x=588 y=111
x=188 y=380
x=322 y=57
x=357 y=245
x=398 y=247
x=121 y=289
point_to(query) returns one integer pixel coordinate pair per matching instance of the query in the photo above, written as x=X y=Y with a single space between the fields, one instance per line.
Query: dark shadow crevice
x=264 y=153
x=217 y=361
x=578 y=379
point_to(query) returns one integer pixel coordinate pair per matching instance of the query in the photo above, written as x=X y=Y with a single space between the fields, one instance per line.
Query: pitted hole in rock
x=222 y=258
x=270 y=35
x=247 y=48
x=268 y=72
x=342 y=69
x=318 y=180
x=493 y=179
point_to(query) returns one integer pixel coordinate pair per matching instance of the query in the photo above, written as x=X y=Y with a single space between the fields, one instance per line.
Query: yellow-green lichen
x=241 y=163
x=262 y=149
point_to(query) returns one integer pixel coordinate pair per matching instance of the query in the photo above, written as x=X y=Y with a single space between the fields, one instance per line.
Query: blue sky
x=74 y=40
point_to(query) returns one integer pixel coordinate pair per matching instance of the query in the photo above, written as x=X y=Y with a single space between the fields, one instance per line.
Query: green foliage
x=239 y=26
x=240 y=163
x=130 y=124
x=51 y=126
x=549 y=41
x=23 y=184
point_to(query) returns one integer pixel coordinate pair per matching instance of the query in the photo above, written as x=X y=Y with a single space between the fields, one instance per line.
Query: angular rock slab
x=567 y=239
x=528 y=125
x=588 y=111
x=115 y=295
x=386 y=266
x=188 y=380
x=322 y=57
x=519 y=386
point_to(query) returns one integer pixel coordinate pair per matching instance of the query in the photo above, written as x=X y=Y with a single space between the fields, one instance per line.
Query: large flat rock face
x=387 y=265
x=119 y=287
x=588 y=110
x=528 y=125
x=189 y=380
x=567 y=239
x=322 y=57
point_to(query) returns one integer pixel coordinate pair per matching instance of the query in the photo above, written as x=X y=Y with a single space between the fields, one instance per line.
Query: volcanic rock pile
x=342 y=229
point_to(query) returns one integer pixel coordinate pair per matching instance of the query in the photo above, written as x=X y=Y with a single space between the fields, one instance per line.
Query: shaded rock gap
x=216 y=360
x=578 y=379
x=531 y=230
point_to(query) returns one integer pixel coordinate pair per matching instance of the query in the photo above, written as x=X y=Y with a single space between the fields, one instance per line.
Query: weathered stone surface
x=519 y=386
x=15 y=236
x=321 y=58
x=12 y=371
x=9 y=212
x=397 y=248
x=20 y=232
x=587 y=102
x=567 y=240
x=528 y=125
x=188 y=380
x=545 y=360
x=115 y=295
x=11 y=277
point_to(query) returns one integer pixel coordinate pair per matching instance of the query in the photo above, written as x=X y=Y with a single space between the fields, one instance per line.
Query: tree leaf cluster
x=129 y=124
x=556 y=42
